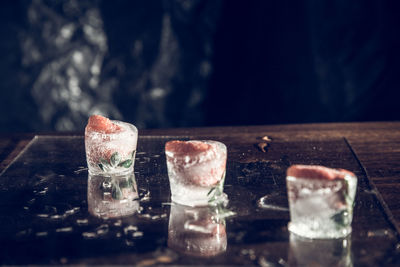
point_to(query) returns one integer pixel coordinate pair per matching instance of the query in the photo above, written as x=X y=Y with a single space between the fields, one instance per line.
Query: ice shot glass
x=110 y=146
x=196 y=171
x=196 y=231
x=112 y=196
x=321 y=201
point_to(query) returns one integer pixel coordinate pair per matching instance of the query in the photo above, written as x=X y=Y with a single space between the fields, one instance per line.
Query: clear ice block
x=196 y=171
x=196 y=231
x=321 y=201
x=112 y=196
x=110 y=146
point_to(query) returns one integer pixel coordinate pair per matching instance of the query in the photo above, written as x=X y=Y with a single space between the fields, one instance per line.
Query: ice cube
x=320 y=201
x=110 y=146
x=196 y=171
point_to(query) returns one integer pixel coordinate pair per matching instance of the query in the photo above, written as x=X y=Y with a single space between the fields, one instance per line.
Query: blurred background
x=183 y=63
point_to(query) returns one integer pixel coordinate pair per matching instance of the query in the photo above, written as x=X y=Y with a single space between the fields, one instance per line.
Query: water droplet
x=80 y=169
x=130 y=228
x=102 y=229
x=155 y=217
x=137 y=234
x=42 y=215
x=56 y=217
x=118 y=223
x=64 y=230
x=43 y=192
x=118 y=234
x=145 y=197
x=30 y=202
x=146 y=216
x=156 y=156
x=140 y=153
x=82 y=221
x=24 y=232
x=267 y=202
x=41 y=234
x=26 y=208
x=89 y=235
x=71 y=211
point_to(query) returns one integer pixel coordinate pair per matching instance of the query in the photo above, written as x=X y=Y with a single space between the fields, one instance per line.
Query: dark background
x=197 y=63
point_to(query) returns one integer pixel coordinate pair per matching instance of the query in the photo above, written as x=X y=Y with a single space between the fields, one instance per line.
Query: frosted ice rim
x=321 y=208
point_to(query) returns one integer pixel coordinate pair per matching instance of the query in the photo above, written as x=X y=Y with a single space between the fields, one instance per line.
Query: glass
x=197 y=231
x=321 y=201
x=111 y=153
x=196 y=171
x=112 y=196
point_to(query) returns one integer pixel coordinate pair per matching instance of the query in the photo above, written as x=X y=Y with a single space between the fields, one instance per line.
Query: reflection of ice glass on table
x=321 y=201
x=112 y=196
x=196 y=171
x=110 y=146
x=196 y=231
x=321 y=252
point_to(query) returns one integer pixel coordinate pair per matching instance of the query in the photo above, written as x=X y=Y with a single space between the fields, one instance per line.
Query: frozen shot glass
x=110 y=146
x=321 y=201
x=196 y=171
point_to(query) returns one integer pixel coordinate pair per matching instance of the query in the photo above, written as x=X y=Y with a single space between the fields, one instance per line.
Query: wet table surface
x=44 y=217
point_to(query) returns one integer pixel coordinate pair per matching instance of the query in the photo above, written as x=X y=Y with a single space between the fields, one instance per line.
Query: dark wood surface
x=371 y=150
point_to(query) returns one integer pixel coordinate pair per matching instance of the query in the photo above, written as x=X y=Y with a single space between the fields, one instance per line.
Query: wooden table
x=255 y=235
